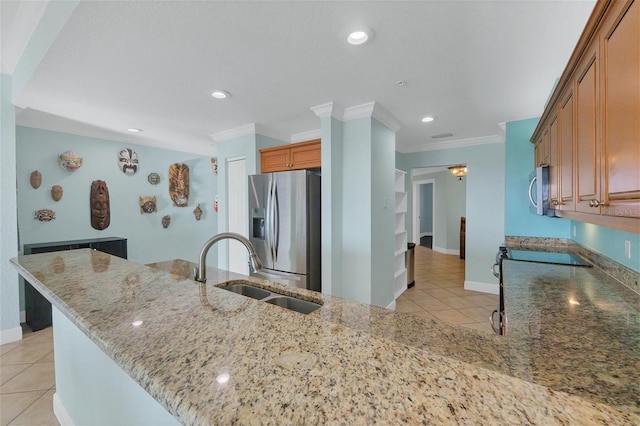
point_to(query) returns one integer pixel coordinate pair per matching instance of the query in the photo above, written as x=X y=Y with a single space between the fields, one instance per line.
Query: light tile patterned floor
x=439 y=293
x=27 y=380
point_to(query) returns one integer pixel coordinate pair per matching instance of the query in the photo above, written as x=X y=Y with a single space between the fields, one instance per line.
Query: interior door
x=237 y=196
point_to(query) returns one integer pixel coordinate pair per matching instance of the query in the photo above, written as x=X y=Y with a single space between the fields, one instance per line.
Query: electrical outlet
x=574 y=230
x=627 y=249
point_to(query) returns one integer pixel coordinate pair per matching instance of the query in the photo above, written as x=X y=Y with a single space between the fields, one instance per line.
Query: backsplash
x=627 y=277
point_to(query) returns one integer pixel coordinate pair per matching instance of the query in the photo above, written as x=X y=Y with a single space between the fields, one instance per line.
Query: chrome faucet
x=254 y=260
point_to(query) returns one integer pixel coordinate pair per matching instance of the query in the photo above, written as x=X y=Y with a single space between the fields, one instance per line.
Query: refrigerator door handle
x=269 y=218
x=276 y=221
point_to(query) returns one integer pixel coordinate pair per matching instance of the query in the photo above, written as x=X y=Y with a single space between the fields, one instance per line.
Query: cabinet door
x=566 y=153
x=306 y=156
x=275 y=160
x=554 y=163
x=588 y=140
x=621 y=103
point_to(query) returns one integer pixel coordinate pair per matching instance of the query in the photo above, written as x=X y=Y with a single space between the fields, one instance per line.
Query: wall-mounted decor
x=44 y=215
x=35 y=179
x=153 y=178
x=69 y=160
x=197 y=212
x=166 y=220
x=100 y=206
x=56 y=192
x=148 y=205
x=179 y=184
x=128 y=161
x=215 y=204
x=214 y=165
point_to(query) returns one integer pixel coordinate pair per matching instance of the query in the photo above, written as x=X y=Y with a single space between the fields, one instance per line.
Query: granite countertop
x=344 y=363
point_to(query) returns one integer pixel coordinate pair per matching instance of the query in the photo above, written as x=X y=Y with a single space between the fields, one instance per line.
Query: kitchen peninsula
x=206 y=355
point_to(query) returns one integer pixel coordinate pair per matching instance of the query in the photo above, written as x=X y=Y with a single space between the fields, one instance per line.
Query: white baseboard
x=61 y=413
x=10 y=335
x=23 y=316
x=455 y=252
x=492 y=288
x=392 y=305
x=426 y=234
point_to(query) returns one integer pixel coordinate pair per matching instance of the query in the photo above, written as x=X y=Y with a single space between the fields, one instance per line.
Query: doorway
x=237 y=193
x=424 y=211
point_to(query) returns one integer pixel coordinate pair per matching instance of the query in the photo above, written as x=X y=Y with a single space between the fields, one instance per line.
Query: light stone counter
x=284 y=367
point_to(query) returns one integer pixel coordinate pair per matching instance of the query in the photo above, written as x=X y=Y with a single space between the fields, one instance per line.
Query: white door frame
x=237 y=213
x=416 y=208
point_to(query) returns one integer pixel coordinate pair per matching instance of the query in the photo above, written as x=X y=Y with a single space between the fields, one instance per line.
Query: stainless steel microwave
x=539 y=192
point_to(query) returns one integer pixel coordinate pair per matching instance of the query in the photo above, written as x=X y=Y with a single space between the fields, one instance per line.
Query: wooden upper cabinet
x=566 y=154
x=620 y=47
x=303 y=155
x=595 y=109
x=587 y=127
x=554 y=164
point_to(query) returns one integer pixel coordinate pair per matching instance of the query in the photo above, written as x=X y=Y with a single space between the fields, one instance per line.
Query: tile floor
x=26 y=367
x=27 y=381
x=439 y=293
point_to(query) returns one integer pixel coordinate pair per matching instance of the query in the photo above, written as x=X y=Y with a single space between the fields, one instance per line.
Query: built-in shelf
x=400 y=271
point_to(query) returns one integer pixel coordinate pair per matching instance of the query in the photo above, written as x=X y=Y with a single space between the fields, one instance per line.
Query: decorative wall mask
x=214 y=165
x=197 y=212
x=179 y=184
x=128 y=161
x=69 y=160
x=215 y=204
x=148 y=205
x=166 y=220
x=153 y=178
x=56 y=192
x=44 y=215
x=35 y=179
x=100 y=206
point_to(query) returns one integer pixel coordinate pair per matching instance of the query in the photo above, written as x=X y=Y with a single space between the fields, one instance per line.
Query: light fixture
x=458 y=171
x=220 y=94
x=134 y=130
x=428 y=119
x=359 y=36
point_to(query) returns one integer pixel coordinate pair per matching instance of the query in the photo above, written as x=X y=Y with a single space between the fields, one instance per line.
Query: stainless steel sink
x=298 y=305
x=247 y=290
x=287 y=302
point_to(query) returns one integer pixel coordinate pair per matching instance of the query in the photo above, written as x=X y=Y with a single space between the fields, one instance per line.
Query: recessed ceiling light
x=401 y=83
x=428 y=119
x=360 y=36
x=220 y=94
x=134 y=130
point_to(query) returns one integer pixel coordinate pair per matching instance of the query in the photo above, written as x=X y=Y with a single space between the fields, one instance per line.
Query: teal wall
x=484 y=203
x=609 y=242
x=519 y=164
x=9 y=289
x=426 y=209
x=147 y=240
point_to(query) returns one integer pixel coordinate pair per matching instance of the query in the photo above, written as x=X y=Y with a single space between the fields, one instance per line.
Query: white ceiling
x=152 y=65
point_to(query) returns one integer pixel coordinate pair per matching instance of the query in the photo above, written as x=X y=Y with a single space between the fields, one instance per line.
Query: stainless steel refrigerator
x=284 y=226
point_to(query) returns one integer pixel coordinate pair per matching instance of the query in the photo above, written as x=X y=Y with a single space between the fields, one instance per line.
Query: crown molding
x=386 y=118
x=305 y=136
x=359 y=111
x=461 y=143
x=330 y=109
x=247 y=129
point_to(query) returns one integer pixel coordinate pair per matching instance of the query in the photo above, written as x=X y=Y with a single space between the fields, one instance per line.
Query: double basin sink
x=258 y=293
